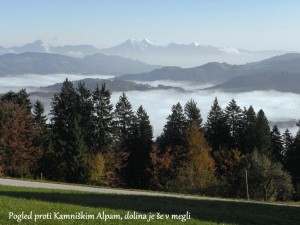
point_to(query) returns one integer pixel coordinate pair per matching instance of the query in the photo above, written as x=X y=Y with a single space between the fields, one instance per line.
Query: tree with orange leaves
x=17 y=135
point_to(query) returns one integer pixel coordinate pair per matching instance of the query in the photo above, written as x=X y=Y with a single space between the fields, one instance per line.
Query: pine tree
x=43 y=138
x=68 y=141
x=216 y=129
x=262 y=131
x=123 y=120
x=76 y=165
x=21 y=98
x=173 y=132
x=249 y=135
x=276 y=145
x=233 y=114
x=288 y=146
x=102 y=119
x=140 y=146
x=85 y=110
x=192 y=113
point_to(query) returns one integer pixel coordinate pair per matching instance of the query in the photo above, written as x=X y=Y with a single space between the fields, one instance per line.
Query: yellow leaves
x=97 y=168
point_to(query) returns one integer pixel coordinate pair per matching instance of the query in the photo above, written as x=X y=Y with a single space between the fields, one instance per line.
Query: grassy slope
x=202 y=211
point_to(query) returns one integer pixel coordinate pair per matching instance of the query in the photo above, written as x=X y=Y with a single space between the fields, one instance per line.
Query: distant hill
x=46 y=63
x=221 y=72
x=284 y=82
x=114 y=85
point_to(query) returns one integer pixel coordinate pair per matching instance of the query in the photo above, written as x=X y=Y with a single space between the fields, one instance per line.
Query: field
x=45 y=203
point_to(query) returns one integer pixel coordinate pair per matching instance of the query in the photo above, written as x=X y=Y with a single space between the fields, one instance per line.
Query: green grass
x=42 y=201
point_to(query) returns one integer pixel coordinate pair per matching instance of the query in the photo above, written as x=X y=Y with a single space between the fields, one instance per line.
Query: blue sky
x=249 y=24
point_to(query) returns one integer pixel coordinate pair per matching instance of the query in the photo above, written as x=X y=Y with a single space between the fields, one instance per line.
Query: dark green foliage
x=262 y=131
x=192 y=113
x=233 y=114
x=173 y=132
x=123 y=120
x=277 y=152
x=68 y=140
x=216 y=129
x=85 y=110
x=249 y=134
x=137 y=174
x=288 y=146
x=43 y=138
x=266 y=179
x=103 y=129
x=75 y=153
x=21 y=98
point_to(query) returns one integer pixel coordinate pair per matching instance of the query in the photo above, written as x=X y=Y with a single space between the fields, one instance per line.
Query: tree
x=103 y=127
x=293 y=158
x=17 y=135
x=216 y=129
x=85 y=110
x=140 y=146
x=277 y=152
x=192 y=113
x=288 y=147
x=123 y=120
x=262 y=131
x=233 y=114
x=199 y=169
x=249 y=132
x=21 y=98
x=173 y=132
x=267 y=180
x=43 y=138
x=68 y=141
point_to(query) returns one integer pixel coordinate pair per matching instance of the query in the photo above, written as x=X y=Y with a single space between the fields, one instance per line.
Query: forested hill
x=221 y=72
x=112 y=84
x=283 y=82
x=46 y=63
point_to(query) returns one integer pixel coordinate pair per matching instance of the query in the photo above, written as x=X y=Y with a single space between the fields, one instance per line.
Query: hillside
x=284 y=82
x=221 y=72
x=46 y=63
x=114 y=85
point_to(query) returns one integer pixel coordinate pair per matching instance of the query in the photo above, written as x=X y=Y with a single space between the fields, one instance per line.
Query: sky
x=248 y=24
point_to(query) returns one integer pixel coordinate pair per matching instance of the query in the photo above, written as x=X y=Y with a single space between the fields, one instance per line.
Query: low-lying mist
x=277 y=106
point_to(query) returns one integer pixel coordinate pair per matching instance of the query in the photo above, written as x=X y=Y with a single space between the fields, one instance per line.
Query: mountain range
x=47 y=63
x=172 y=54
x=281 y=73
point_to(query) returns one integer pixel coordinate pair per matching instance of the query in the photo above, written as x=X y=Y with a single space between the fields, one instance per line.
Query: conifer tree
x=43 y=138
x=68 y=141
x=249 y=135
x=288 y=146
x=123 y=120
x=173 y=132
x=276 y=145
x=140 y=146
x=216 y=129
x=262 y=131
x=233 y=114
x=192 y=113
x=102 y=119
x=85 y=110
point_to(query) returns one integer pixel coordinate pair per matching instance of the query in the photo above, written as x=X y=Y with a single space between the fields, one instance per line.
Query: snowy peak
x=37 y=46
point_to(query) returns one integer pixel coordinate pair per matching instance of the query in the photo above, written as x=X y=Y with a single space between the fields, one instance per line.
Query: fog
x=277 y=106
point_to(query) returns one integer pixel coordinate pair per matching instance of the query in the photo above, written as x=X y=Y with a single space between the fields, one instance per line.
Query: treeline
x=88 y=140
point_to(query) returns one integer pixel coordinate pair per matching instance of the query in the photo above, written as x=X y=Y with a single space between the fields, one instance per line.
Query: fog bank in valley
x=276 y=105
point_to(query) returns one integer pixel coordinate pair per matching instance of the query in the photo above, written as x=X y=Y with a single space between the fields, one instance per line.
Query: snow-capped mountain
x=185 y=55
x=44 y=47
x=151 y=52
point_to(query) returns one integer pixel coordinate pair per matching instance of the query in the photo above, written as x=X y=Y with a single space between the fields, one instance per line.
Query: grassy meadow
x=43 y=202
